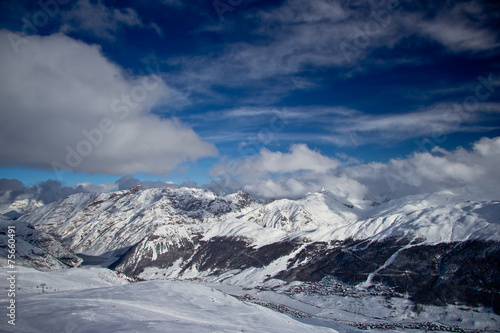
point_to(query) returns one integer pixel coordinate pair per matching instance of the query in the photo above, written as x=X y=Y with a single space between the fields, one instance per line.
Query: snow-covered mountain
x=33 y=248
x=108 y=224
x=15 y=208
x=415 y=244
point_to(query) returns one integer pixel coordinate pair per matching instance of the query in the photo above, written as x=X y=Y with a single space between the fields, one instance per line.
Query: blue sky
x=199 y=91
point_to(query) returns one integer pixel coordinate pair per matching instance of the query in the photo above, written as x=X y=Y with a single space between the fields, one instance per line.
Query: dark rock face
x=350 y=261
x=226 y=253
x=467 y=272
x=140 y=256
x=217 y=255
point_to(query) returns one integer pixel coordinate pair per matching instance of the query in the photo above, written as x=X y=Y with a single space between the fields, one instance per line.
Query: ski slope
x=94 y=299
x=97 y=300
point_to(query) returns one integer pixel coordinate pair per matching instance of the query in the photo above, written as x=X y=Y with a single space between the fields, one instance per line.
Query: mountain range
x=438 y=248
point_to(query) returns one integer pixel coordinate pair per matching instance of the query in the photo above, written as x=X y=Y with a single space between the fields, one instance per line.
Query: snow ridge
x=110 y=223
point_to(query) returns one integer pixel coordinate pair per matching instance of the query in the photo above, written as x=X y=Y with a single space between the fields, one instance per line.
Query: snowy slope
x=435 y=218
x=415 y=244
x=84 y=300
x=34 y=248
x=108 y=224
x=21 y=206
x=175 y=232
x=98 y=300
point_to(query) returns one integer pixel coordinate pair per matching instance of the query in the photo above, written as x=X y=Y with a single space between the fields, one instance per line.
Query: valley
x=419 y=263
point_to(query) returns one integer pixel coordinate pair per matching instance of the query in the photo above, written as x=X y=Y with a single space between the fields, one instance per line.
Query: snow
x=20 y=206
x=98 y=300
x=108 y=224
x=158 y=220
x=34 y=248
x=94 y=299
x=381 y=309
x=81 y=300
x=438 y=217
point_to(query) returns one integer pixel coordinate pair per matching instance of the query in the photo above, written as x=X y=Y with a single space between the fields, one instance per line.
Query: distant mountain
x=108 y=224
x=416 y=244
x=18 y=207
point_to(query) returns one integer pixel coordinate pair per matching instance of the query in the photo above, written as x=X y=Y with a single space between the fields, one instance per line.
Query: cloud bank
x=277 y=175
x=66 y=107
x=47 y=191
x=472 y=173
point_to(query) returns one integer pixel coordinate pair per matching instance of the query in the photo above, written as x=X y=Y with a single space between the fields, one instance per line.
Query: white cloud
x=472 y=171
x=62 y=98
x=352 y=37
x=460 y=28
x=296 y=36
x=157 y=29
x=343 y=127
x=93 y=188
x=271 y=174
x=433 y=121
x=300 y=158
x=458 y=37
x=101 y=21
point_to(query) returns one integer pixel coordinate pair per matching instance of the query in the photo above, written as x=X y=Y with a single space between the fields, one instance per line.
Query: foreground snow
x=95 y=300
x=98 y=300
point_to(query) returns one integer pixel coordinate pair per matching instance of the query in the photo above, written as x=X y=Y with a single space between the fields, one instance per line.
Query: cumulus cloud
x=300 y=158
x=274 y=174
x=471 y=171
x=53 y=190
x=9 y=185
x=66 y=107
x=100 y=21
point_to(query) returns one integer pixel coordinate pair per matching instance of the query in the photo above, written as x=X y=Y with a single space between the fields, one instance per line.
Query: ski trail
x=368 y=283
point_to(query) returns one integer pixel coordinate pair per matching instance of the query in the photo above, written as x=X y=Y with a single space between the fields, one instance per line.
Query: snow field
x=91 y=303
